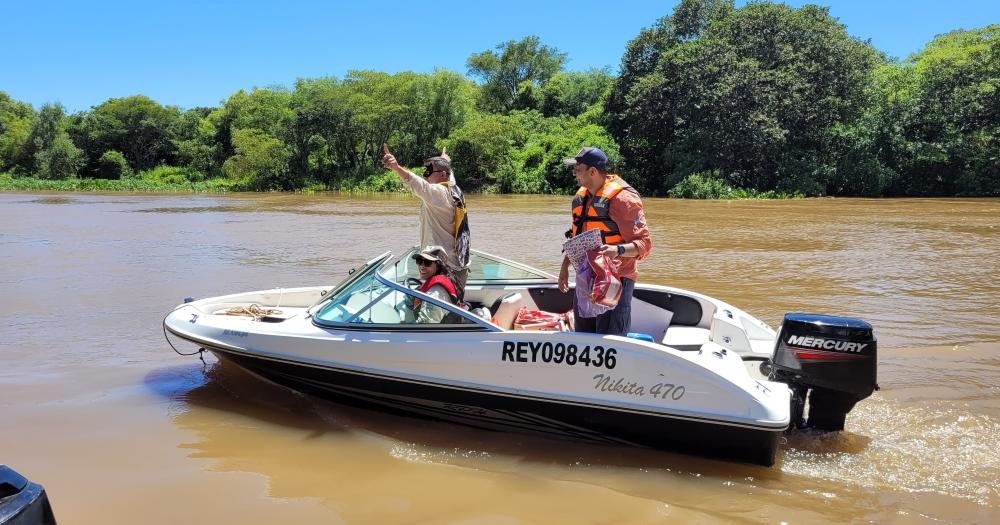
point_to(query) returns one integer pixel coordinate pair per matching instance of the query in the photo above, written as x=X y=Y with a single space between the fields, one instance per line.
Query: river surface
x=120 y=429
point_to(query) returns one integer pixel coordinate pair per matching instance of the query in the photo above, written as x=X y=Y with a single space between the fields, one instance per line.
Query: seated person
x=437 y=283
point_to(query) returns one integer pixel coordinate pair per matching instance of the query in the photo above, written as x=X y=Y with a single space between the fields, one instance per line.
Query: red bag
x=607 y=286
x=538 y=320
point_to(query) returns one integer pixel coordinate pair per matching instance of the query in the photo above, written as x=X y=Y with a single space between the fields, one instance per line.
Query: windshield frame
x=477 y=325
x=352 y=275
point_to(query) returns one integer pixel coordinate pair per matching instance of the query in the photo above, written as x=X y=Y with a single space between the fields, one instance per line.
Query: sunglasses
x=430 y=171
x=425 y=262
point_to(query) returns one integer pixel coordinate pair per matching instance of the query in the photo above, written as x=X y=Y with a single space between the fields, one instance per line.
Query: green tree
x=15 y=127
x=194 y=141
x=45 y=128
x=757 y=94
x=483 y=151
x=136 y=126
x=60 y=160
x=538 y=162
x=340 y=125
x=642 y=56
x=691 y=17
x=380 y=110
x=946 y=105
x=49 y=153
x=324 y=132
x=112 y=165
x=260 y=161
x=266 y=109
x=435 y=104
x=512 y=69
x=572 y=93
x=871 y=148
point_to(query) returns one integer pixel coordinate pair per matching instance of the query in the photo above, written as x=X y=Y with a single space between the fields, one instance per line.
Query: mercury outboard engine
x=23 y=502
x=828 y=360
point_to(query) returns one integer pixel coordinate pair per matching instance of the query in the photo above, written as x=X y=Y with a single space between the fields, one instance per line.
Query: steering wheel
x=413 y=283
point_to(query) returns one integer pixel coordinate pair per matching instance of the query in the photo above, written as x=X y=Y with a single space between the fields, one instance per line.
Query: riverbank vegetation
x=711 y=101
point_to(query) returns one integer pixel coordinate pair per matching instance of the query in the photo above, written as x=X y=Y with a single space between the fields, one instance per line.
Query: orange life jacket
x=598 y=213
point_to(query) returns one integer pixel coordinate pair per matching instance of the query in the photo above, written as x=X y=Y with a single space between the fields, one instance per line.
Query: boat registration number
x=559 y=353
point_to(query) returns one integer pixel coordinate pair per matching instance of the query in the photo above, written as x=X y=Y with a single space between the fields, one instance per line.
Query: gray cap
x=432 y=253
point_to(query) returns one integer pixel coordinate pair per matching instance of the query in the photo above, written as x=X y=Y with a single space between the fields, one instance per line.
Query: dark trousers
x=614 y=322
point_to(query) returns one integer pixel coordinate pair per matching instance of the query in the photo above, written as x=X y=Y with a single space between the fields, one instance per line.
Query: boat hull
x=492 y=410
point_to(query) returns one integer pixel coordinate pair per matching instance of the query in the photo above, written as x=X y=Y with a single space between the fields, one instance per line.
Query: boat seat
x=507 y=310
x=686 y=337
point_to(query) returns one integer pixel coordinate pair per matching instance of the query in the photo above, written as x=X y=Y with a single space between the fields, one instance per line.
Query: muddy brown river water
x=95 y=406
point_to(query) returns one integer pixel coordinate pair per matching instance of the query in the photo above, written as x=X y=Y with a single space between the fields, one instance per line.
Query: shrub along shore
x=710 y=101
x=692 y=188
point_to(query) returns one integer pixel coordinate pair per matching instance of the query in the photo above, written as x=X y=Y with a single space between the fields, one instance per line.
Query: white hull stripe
x=251 y=355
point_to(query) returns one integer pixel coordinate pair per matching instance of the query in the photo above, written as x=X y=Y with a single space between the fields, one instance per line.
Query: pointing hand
x=388 y=160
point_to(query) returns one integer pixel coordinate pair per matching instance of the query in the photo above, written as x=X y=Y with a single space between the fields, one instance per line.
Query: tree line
x=709 y=101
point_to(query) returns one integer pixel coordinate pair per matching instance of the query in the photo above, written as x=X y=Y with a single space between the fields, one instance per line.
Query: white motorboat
x=698 y=375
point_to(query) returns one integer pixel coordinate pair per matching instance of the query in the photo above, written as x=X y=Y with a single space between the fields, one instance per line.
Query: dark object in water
x=21 y=501
x=831 y=361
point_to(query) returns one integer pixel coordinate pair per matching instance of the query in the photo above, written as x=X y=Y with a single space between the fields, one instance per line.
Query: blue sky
x=196 y=53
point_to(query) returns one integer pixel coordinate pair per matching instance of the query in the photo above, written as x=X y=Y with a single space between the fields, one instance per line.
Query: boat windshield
x=484 y=268
x=371 y=299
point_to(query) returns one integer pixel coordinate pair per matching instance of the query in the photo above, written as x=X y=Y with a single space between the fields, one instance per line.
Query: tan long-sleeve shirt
x=437 y=215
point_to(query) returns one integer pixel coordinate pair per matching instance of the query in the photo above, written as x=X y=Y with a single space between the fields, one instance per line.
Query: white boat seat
x=686 y=337
x=506 y=312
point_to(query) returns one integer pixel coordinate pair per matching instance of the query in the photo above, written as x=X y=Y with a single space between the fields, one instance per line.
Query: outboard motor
x=832 y=360
x=21 y=501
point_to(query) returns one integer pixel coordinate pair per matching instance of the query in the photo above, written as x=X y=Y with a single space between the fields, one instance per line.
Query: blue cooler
x=641 y=337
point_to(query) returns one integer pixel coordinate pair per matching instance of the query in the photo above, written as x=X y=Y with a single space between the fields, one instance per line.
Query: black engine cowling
x=831 y=361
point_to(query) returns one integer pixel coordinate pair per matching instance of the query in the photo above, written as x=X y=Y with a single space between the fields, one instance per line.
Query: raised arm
x=389 y=162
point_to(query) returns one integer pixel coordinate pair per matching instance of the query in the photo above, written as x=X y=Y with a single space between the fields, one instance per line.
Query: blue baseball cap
x=593 y=157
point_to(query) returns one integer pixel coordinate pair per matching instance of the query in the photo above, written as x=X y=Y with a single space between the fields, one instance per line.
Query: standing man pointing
x=443 y=218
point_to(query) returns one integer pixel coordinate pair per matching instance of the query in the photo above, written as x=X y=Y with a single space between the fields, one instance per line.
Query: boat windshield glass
x=484 y=268
x=369 y=300
x=351 y=299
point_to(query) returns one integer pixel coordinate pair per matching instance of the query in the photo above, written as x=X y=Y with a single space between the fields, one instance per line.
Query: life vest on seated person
x=598 y=210
x=443 y=281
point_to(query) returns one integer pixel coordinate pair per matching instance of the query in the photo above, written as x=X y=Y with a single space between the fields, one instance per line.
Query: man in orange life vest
x=607 y=203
